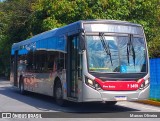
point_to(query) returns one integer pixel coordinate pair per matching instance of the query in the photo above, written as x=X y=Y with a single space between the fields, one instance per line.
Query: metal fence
x=155 y=78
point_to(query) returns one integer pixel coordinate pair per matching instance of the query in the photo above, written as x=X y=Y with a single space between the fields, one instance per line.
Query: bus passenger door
x=73 y=66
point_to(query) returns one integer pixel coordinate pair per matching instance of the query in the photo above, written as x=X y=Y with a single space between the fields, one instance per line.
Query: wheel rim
x=59 y=93
x=22 y=87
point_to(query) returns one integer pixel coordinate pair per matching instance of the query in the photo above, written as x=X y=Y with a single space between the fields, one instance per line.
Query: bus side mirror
x=82 y=42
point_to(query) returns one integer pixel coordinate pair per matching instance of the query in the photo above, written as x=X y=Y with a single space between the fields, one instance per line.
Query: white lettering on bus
x=108 y=86
x=132 y=85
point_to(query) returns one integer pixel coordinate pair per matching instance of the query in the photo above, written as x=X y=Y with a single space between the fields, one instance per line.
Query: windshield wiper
x=105 y=45
x=130 y=48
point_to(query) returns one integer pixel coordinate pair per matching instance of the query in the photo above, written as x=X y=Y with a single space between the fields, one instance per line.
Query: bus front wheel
x=59 y=94
x=110 y=103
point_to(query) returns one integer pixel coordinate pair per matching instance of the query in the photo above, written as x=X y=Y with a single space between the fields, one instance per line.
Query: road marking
x=142 y=106
x=151 y=109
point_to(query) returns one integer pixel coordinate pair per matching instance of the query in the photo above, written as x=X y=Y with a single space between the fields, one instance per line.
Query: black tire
x=58 y=93
x=21 y=87
x=110 y=103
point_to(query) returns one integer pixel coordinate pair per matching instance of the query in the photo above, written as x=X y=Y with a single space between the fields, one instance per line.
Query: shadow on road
x=46 y=103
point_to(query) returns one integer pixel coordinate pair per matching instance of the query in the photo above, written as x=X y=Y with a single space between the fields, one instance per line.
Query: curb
x=149 y=102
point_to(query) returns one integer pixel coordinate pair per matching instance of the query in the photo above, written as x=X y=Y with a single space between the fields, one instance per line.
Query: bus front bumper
x=94 y=95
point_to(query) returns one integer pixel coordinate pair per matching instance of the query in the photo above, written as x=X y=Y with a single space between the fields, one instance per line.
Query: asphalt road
x=12 y=101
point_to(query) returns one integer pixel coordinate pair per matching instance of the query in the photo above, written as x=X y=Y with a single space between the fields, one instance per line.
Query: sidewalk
x=4 y=82
x=149 y=102
x=3 y=79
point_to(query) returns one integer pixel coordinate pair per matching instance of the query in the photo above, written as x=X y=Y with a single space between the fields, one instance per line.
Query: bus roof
x=67 y=30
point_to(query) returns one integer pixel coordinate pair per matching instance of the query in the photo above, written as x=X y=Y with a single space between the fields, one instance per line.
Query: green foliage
x=21 y=19
x=51 y=14
x=158 y=100
x=13 y=28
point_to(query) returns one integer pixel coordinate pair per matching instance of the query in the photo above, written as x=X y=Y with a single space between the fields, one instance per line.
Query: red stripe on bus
x=120 y=85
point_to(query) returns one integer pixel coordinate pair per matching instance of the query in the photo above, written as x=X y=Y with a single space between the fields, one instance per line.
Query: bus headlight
x=92 y=83
x=144 y=84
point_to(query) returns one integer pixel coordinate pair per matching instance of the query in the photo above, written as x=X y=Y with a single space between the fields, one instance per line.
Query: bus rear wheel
x=22 y=91
x=59 y=94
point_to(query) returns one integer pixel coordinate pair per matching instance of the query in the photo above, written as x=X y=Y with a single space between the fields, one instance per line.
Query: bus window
x=30 y=61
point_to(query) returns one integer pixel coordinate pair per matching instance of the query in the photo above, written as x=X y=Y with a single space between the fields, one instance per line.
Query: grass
x=158 y=100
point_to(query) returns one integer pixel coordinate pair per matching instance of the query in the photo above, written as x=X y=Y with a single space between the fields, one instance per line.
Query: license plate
x=120 y=98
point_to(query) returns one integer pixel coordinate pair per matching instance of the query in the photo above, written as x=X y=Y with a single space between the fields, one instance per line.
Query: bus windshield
x=116 y=54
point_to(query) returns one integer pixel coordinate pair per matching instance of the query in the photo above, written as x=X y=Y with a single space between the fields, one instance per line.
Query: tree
x=51 y=14
x=13 y=22
x=21 y=19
